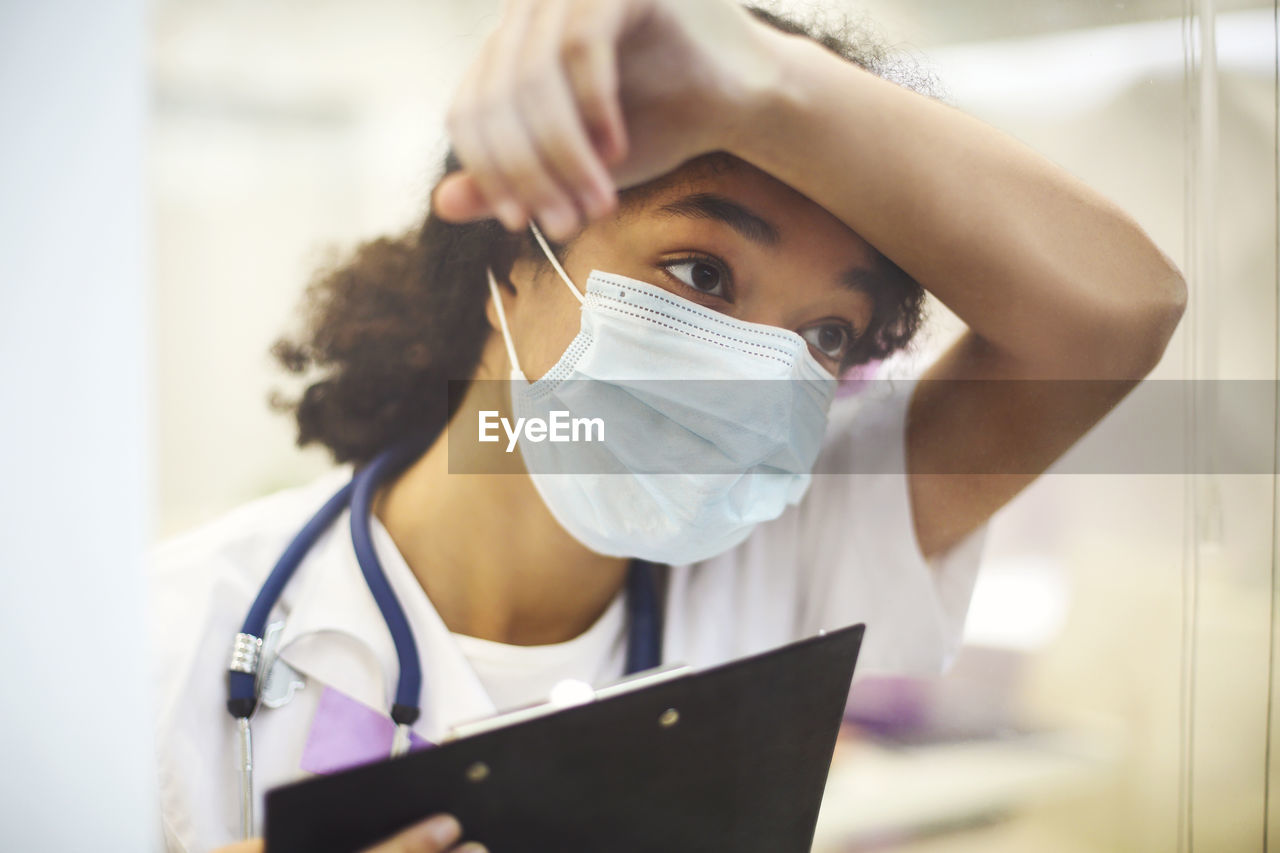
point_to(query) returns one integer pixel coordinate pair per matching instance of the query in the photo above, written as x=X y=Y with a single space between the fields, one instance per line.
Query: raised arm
x=572 y=98
x=1053 y=281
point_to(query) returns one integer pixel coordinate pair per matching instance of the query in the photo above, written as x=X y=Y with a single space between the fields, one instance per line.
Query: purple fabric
x=346 y=733
x=856 y=378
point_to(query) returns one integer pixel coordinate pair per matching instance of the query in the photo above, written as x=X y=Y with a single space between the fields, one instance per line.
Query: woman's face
x=724 y=235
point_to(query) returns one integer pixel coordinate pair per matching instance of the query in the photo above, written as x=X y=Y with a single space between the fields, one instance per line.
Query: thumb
x=457 y=198
x=434 y=835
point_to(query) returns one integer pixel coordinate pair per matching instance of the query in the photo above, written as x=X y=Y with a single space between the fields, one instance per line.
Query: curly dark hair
x=388 y=328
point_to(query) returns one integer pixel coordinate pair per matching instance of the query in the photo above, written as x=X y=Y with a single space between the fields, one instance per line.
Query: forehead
x=789 y=220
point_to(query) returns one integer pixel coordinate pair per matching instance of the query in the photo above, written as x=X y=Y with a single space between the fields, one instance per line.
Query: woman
x=757 y=186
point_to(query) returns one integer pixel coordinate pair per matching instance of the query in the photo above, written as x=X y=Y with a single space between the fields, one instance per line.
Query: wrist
x=779 y=113
x=771 y=92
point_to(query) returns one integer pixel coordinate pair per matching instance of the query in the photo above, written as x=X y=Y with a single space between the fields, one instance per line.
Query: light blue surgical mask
x=710 y=425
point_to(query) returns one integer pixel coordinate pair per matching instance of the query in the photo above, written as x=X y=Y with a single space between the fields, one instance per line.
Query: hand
x=437 y=834
x=570 y=99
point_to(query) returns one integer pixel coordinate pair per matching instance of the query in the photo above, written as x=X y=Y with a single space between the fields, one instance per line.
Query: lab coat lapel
x=335 y=633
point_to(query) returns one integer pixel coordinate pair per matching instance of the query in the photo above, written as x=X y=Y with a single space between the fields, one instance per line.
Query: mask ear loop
x=546 y=250
x=502 y=322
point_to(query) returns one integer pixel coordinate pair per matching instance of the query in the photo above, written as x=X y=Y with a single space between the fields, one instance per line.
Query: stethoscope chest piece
x=277 y=681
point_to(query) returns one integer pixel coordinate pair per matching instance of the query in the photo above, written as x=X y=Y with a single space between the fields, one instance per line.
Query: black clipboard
x=739 y=766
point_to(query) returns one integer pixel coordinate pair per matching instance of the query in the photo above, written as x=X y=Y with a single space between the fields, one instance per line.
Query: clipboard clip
x=569 y=699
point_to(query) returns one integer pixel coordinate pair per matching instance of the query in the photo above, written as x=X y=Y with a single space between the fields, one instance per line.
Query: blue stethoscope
x=644 y=646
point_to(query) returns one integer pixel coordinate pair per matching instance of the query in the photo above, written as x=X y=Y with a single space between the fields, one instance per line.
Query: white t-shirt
x=521 y=675
x=847 y=553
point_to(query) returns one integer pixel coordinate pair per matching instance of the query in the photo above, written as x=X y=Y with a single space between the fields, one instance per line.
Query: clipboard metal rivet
x=669 y=718
x=478 y=772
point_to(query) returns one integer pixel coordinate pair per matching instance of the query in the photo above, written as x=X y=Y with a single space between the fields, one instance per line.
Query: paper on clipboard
x=541 y=709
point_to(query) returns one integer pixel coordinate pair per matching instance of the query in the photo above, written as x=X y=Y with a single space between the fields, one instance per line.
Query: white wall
x=74 y=462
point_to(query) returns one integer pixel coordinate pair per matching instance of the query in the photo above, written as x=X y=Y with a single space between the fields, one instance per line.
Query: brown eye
x=702 y=276
x=830 y=339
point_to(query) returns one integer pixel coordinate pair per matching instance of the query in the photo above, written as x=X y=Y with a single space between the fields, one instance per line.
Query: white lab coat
x=846 y=554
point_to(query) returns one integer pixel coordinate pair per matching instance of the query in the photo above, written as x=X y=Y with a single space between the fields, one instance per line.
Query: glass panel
x=1116 y=691
x=1113 y=691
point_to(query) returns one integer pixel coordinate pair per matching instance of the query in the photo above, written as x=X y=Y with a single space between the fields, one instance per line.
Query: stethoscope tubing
x=644 y=641
x=408 y=699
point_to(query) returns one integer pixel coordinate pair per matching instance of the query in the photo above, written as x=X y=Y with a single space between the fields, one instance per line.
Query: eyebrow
x=716 y=207
x=867 y=279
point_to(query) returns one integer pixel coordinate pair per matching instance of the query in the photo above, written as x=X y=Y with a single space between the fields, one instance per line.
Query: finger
x=468 y=144
x=434 y=835
x=553 y=119
x=533 y=183
x=560 y=139
x=509 y=149
x=591 y=66
x=457 y=198
x=254 y=845
x=466 y=115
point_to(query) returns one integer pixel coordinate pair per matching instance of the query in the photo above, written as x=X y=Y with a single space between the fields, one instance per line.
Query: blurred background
x=1114 y=692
